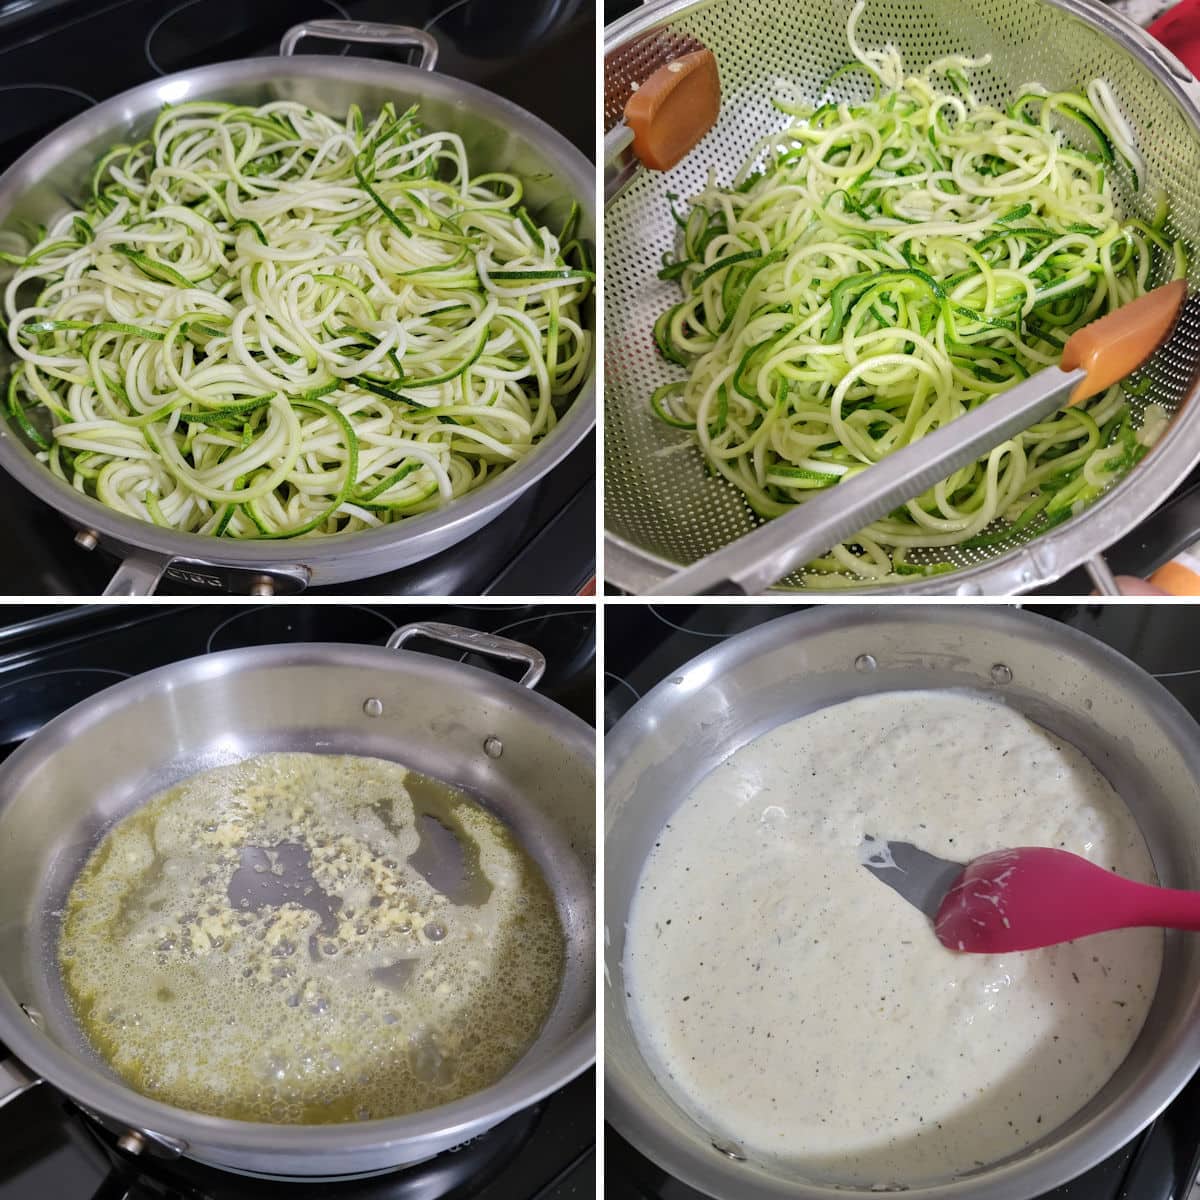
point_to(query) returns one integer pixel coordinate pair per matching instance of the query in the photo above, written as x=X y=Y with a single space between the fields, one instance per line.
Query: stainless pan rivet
x=264 y=585
x=131 y=1142
x=865 y=662
x=89 y=539
x=493 y=747
x=373 y=707
x=729 y=1152
x=1001 y=674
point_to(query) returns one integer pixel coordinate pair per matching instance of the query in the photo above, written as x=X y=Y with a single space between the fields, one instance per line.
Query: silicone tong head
x=1118 y=343
x=672 y=110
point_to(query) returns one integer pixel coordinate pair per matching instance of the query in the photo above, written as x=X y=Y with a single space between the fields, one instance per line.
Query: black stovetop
x=57 y=57
x=52 y=658
x=646 y=643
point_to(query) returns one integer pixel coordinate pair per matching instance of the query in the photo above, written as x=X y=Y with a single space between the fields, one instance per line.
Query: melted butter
x=308 y=939
x=797 y=1006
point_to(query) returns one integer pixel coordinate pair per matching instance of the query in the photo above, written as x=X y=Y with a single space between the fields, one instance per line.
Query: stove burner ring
x=506 y=630
x=531 y=629
x=617 y=702
x=50 y=87
x=27 y=703
x=711 y=622
x=306 y=12
x=39 y=108
x=266 y=623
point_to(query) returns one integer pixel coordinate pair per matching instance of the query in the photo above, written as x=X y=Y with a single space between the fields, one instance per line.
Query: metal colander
x=662 y=509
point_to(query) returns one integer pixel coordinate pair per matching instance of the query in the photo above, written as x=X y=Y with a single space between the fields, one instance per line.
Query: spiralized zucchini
x=876 y=270
x=267 y=323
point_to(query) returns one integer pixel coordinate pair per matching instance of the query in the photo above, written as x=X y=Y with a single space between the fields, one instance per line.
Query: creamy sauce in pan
x=307 y=938
x=797 y=1006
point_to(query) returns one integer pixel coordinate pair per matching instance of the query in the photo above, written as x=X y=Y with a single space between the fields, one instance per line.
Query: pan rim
x=86 y=512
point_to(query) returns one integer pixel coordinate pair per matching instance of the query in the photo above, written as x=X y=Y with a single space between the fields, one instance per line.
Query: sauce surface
x=794 y=1004
x=303 y=938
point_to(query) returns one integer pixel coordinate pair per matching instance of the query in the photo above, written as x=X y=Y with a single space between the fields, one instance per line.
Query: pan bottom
x=310 y=939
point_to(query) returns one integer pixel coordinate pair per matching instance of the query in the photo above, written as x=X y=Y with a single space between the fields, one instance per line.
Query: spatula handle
x=1119 y=903
x=1165 y=907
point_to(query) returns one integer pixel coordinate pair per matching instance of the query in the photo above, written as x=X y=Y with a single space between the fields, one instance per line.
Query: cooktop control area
x=51 y=659
x=645 y=644
x=60 y=57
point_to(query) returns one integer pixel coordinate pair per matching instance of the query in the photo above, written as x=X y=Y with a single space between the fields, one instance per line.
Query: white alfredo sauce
x=790 y=1001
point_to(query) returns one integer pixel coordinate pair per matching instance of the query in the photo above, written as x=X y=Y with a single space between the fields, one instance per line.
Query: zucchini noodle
x=876 y=270
x=268 y=323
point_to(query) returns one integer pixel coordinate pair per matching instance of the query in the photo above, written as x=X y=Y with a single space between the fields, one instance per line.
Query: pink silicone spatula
x=1037 y=896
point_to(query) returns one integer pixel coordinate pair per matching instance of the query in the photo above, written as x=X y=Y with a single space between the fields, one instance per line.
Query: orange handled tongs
x=665 y=114
x=1094 y=358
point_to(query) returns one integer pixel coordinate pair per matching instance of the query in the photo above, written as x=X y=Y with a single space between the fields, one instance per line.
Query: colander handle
x=620 y=162
x=478 y=642
x=1170 y=63
x=1101 y=575
x=372 y=32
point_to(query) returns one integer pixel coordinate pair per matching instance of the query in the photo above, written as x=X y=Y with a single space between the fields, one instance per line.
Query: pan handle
x=15 y=1080
x=375 y=32
x=478 y=643
x=137 y=575
x=140 y=575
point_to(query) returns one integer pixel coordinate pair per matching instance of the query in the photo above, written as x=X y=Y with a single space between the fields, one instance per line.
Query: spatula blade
x=921 y=878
